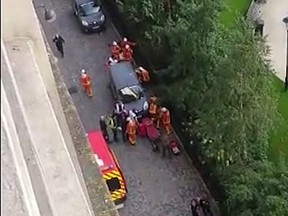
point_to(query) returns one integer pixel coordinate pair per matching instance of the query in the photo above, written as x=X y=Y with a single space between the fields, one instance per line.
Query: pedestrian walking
x=59 y=41
x=103 y=127
x=85 y=81
x=112 y=124
x=165 y=149
x=194 y=207
x=205 y=206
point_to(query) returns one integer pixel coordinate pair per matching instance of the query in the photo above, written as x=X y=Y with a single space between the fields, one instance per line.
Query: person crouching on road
x=103 y=127
x=85 y=81
x=112 y=124
x=131 y=131
x=142 y=74
x=166 y=122
x=111 y=61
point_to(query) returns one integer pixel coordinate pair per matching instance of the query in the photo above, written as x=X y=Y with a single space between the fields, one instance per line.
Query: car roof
x=100 y=150
x=80 y=2
x=122 y=75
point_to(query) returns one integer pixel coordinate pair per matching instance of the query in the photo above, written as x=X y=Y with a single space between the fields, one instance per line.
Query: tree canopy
x=221 y=78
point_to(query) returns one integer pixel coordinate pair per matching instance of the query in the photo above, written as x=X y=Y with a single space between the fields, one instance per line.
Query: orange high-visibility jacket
x=166 y=117
x=124 y=43
x=85 y=80
x=145 y=75
x=131 y=128
x=152 y=108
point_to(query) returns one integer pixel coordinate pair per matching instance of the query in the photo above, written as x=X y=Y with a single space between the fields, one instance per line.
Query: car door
x=113 y=91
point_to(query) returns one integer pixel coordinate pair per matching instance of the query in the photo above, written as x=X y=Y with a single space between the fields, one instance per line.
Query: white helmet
x=127 y=46
x=164 y=109
x=128 y=119
x=83 y=71
x=141 y=68
x=125 y=39
x=114 y=43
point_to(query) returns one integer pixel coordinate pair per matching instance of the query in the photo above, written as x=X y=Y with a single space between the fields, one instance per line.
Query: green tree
x=259 y=190
x=239 y=107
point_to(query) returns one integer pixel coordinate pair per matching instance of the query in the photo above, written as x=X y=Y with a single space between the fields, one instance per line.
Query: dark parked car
x=90 y=15
x=126 y=88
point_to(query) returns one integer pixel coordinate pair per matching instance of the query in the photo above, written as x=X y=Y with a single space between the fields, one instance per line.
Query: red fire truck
x=109 y=167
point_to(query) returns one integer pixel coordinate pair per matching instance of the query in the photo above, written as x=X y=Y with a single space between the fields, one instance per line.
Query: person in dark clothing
x=123 y=124
x=194 y=207
x=118 y=109
x=205 y=206
x=165 y=149
x=59 y=41
x=103 y=127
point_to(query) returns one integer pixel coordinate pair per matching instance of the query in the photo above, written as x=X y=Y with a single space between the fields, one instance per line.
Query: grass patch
x=279 y=140
x=233 y=9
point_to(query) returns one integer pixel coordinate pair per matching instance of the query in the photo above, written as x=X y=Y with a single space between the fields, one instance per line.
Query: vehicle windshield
x=132 y=93
x=90 y=8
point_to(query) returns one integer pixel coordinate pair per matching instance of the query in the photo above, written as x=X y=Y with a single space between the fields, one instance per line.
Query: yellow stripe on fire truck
x=120 y=192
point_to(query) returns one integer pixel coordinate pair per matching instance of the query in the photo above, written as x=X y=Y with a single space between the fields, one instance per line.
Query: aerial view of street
x=156 y=186
x=87 y=131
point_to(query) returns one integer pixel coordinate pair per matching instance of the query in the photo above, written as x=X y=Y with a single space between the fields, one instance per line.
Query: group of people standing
x=127 y=122
x=200 y=206
x=159 y=115
x=122 y=121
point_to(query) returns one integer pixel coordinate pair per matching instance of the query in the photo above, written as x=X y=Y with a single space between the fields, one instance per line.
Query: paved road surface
x=156 y=186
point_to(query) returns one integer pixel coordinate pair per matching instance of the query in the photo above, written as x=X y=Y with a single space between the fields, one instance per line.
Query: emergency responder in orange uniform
x=142 y=74
x=152 y=108
x=158 y=117
x=115 y=50
x=127 y=53
x=125 y=42
x=166 y=120
x=85 y=81
x=131 y=131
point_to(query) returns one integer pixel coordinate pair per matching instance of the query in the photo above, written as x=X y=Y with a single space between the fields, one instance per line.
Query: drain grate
x=73 y=90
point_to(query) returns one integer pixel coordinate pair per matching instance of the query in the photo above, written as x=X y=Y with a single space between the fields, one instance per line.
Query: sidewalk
x=273 y=13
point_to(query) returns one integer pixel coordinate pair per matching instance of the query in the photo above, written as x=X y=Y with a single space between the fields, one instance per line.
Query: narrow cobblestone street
x=156 y=186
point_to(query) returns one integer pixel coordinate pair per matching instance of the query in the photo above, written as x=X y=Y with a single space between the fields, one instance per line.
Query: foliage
x=220 y=77
x=258 y=189
x=279 y=140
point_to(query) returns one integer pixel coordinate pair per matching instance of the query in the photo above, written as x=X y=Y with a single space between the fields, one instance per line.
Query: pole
x=285 y=20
